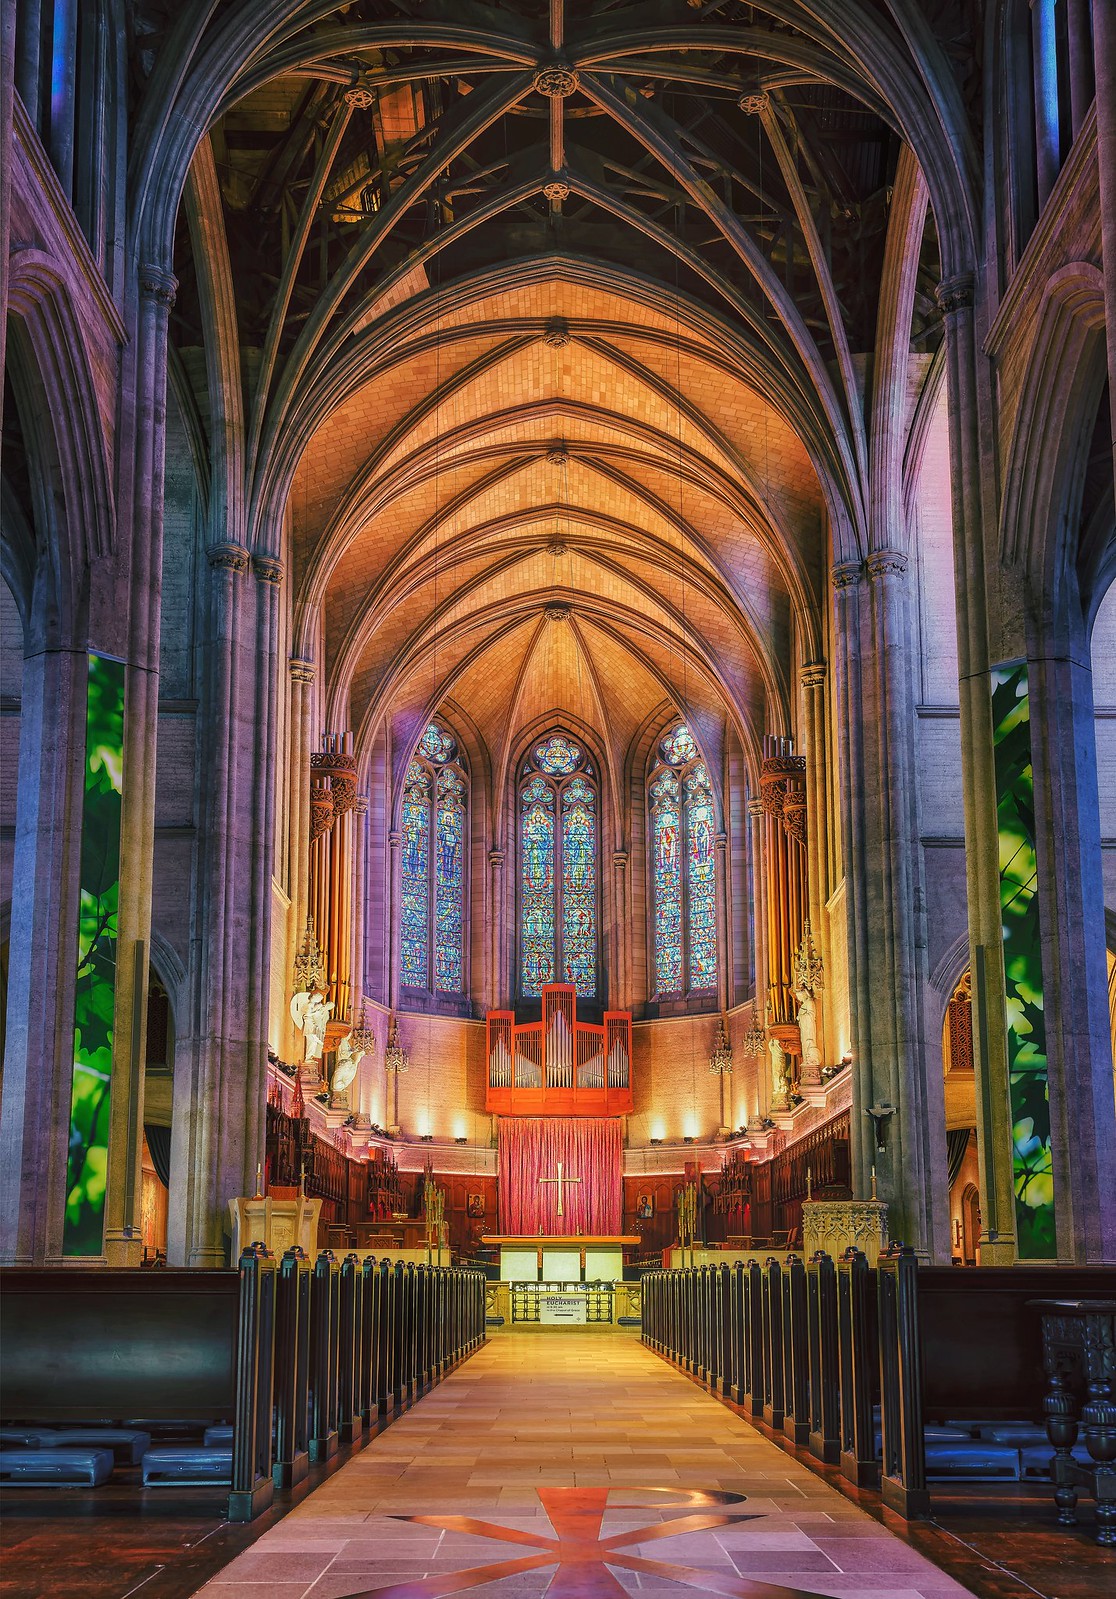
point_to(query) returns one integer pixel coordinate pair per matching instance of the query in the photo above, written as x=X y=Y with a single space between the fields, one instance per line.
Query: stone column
x=913 y=1163
x=620 y=989
x=142 y=447
x=221 y=1064
x=1074 y=954
x=982 y=859
x=813 y=679
x=38 y=1050
x=395 y=897
x=1104 y=67
x=360 y=897
x=497 y=981
x=298 y=846
x=759 y=917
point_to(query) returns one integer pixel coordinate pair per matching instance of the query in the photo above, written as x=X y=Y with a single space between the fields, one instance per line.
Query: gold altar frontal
x=566 y=1258
x=562 y=1279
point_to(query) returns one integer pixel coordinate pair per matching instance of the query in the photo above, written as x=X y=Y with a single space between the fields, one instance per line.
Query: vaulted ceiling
x=551 y=331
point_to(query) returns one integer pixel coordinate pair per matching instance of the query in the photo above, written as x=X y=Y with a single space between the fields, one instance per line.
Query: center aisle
x=589 y=1436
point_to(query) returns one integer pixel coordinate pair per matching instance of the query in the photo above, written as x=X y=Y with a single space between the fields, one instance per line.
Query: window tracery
x=433 y=843
x=559 y=843
x=683 y=868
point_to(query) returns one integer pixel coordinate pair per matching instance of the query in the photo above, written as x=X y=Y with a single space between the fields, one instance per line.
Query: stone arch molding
x=77 y=455
x=1061 y=389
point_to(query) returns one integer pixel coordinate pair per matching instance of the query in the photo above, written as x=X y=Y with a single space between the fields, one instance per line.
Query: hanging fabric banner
x=1032 y=1163
x=95 y=989
x=589 y=1149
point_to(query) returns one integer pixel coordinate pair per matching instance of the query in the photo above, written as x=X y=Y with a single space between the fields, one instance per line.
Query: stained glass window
x=559 y=849
x=558 y=756
x=683 y=868
x=435 y=812
x=416 y=878
x=667 y=882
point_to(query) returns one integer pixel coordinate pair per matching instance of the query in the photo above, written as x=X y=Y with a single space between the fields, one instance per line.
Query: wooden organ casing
x=559 y=1066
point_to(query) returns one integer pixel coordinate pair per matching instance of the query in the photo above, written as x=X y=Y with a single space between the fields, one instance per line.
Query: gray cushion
x=63 y=1468
x=186 y=1464
x=971 y=1457
x=220 y=1437
x=128 y=1445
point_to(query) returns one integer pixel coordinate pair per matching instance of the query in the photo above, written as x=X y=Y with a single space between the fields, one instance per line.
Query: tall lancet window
x=435 y=813
x=683 y=868
x=559 y=851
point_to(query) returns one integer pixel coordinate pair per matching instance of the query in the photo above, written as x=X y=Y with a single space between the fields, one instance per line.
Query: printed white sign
x=561 y=1310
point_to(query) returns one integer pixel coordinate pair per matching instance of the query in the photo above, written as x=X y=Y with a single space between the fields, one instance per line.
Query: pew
x=939 y=1354
x=298 y=1356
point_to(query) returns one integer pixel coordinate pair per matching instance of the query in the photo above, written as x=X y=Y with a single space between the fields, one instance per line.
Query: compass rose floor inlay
x=573 y=1466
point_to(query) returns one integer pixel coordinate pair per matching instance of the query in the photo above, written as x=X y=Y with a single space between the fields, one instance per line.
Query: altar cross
x=561 y=1181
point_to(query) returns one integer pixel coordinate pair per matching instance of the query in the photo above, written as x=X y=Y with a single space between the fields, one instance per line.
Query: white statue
x=348 y=1064
x=808 y=1029
x=310 y=1012
x=778 y=1074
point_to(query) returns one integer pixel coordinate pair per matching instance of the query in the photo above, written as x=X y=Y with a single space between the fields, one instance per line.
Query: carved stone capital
x=157 y=284
x=813 y=674
x=395 y=838
x=846 y=574
x=720 y=843
x=267 y=569
x=887 y=563
x=755 y=808
x=360 y=805
x=557 y=334
x=301 y=671
x=496 y=859
x=227 y=557
x=620 y=859
x=794 y=815
x=556 y=82
x=955 y=294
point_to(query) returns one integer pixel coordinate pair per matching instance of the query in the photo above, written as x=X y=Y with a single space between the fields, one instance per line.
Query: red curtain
x=589 y=1149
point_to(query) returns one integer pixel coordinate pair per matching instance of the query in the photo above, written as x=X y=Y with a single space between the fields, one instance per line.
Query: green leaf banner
x=95 y=992
x=1032 y=1161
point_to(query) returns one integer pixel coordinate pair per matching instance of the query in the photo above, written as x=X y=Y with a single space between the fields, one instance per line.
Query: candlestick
x=259 y=1174
x=873 y=1182
x=809 y=1189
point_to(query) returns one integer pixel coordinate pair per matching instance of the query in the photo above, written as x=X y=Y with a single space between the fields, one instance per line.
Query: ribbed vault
x=559 y=328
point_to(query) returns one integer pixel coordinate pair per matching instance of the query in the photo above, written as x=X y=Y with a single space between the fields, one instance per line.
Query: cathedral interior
x=558 y=672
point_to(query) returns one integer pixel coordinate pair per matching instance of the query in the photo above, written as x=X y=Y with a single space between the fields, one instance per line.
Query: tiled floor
x=579 y=1465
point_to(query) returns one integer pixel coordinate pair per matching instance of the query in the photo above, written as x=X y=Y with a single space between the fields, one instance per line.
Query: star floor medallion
x=587 y=1563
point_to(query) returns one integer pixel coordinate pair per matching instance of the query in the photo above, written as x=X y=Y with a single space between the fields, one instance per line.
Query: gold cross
x=561 y=1181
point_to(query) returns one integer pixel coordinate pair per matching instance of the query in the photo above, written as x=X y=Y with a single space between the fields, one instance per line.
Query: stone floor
x=578 y=1464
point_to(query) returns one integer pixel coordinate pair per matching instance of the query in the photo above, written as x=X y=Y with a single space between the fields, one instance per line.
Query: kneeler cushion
x=186 y=1465
x=66 y=1468
x=128 y=1446
x=971 y=1457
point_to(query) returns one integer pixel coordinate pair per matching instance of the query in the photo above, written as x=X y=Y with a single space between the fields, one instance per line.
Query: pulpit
x=278 y=1223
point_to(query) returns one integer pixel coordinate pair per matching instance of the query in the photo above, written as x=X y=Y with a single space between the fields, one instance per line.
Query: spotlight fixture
x=427 y=1138
x=689 y=1138
x=655 y=1142
x=461 y=1139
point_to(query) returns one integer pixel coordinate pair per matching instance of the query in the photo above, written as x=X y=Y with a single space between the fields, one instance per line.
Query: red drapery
x=588 y=1147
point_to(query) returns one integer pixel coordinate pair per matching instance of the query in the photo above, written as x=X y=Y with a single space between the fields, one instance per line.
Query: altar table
x=568 y=1258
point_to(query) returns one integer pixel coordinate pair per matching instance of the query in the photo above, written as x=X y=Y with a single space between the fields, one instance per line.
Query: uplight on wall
x=424 y=1130
x=690 y=1127
x=658 y=1131
x=460 y=1130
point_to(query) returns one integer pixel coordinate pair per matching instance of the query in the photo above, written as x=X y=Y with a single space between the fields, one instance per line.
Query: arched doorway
x=158 y=1095
x=961 y=1131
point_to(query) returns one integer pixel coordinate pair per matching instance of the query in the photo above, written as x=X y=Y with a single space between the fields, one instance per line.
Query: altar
x=561 y=1258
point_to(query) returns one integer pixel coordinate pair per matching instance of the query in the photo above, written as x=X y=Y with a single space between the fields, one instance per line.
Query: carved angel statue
x=310 y=1012
x=778 y=1073
x=348 y=1064
x=808 y=1028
